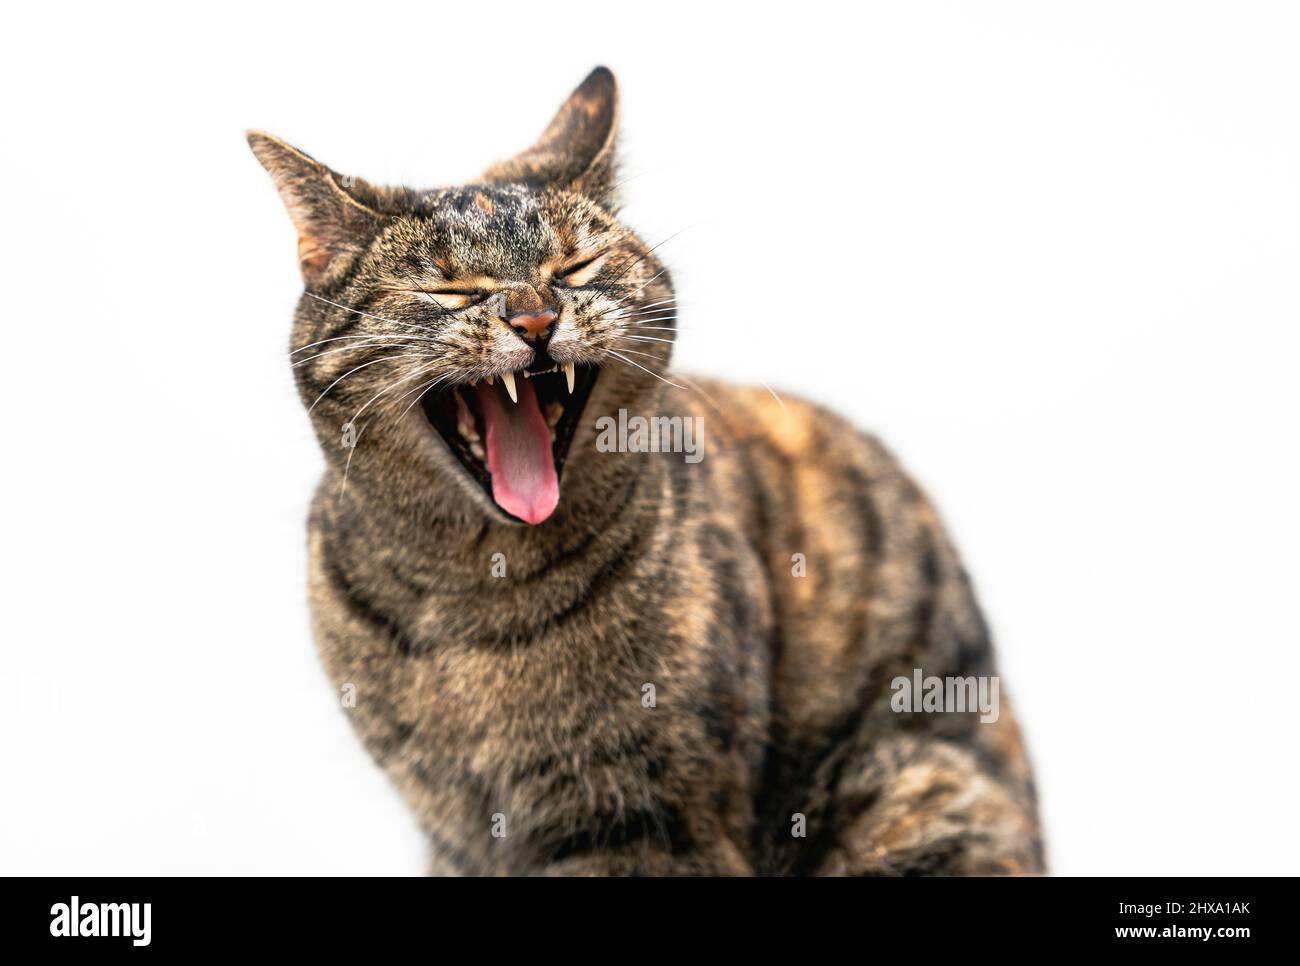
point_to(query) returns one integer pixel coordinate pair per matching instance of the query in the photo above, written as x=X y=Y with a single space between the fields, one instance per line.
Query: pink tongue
x=519 y=452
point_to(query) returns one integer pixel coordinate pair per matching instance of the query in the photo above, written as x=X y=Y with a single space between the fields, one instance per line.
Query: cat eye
x=578 y=274
x=453 y=298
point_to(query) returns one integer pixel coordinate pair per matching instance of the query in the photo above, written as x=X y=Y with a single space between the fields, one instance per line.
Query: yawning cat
x=584 y=657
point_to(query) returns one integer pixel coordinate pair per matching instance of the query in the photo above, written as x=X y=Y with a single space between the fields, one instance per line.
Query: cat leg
x=920 y=805
x=634 y=843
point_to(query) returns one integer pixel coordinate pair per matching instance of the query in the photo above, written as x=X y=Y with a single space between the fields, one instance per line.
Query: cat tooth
x=491 y=380
x=476 y=448
x=569 y=375
x=508 y=380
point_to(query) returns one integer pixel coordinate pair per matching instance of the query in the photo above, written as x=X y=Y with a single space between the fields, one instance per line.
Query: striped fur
x=511 y=712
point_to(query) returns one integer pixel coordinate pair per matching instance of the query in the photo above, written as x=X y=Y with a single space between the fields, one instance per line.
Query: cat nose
x=531 y=326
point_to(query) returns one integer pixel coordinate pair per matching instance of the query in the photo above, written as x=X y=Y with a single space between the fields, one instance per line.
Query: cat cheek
x=567 y=338
x=503 y=348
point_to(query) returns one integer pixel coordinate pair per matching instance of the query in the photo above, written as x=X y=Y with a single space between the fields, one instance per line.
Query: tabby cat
x=585 y=659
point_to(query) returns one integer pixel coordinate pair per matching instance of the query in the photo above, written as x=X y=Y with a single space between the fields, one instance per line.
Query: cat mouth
x=512 y=432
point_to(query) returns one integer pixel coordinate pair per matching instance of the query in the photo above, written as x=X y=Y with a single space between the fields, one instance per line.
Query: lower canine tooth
x=568 y=375
x=508 y=380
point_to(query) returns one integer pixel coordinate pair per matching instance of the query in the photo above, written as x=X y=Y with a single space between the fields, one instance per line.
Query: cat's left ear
x=331 y=223
x=577 y=149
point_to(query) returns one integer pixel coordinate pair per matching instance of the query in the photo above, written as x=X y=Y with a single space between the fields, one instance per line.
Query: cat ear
x=576 y=151
x=331 y=223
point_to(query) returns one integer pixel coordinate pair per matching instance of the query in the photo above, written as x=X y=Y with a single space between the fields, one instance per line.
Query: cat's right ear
x=331 y=223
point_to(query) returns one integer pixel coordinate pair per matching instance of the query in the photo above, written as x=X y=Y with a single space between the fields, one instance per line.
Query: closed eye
x=578 y=274
x=451 y=297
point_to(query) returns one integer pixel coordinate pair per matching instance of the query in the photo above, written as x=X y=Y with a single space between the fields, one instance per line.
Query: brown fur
x=514 y=704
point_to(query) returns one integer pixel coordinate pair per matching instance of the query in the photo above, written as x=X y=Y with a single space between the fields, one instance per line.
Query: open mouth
x=512 y=432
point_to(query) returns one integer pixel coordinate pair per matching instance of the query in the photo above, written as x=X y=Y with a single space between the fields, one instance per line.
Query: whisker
x=645 y=338
x=604 y=289
x=366 y=405
x=618 y=312
x=695 y=386
x=341 y=338
x=340 y=305
x=410 y=276
x=649 y=280
x=372 y=362
x=775 y=396
x=419 y=390
x=618 y=184
x=627 y=312
x=618 y=319
x=646 y=321
x=648 y=355
x=347 y=466
x=361 y=345
x=619 y=355
x=623 y=310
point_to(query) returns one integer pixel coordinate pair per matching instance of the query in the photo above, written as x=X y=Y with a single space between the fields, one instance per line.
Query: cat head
x=466 y=338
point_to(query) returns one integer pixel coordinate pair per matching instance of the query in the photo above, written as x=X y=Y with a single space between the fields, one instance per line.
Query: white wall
x=1070 y=236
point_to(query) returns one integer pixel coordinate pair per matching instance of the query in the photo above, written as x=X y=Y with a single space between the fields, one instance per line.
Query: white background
x=1051 y=252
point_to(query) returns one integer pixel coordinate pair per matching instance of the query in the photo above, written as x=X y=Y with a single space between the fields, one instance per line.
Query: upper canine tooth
x=568 y=375
x=508 y=379
x=491 y=380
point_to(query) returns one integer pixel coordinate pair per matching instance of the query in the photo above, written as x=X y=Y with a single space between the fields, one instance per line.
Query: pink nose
x=534 y=325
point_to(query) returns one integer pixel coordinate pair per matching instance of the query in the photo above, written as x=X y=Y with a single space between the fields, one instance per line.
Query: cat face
x=467 y=330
